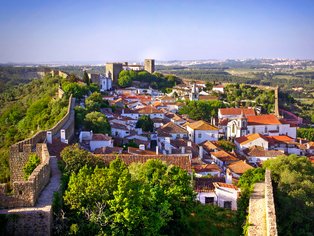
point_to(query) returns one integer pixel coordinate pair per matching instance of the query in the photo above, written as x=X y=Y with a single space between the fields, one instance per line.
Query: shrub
x=32 y=163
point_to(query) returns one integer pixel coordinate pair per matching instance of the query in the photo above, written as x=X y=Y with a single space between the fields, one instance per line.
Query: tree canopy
x=144 y=199
x=293 y=178
x=97 y=122
x=201 y=110
x=146 y=123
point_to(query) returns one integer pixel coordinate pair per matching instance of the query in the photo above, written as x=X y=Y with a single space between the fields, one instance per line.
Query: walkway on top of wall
x=45 y=199
x=257 y=211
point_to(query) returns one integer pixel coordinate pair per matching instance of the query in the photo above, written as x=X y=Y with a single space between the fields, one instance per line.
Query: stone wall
x=20 y=151
x=28 y=222
x=25 y=192
x=271 y=225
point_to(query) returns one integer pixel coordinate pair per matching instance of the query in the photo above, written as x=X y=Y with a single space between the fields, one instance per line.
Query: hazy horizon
x=35 y=31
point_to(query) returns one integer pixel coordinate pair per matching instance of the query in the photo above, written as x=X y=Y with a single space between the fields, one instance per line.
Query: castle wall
x=26 y=192
x=271 y=225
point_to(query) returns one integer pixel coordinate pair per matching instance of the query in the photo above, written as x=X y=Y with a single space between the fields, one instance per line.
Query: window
x=253 y=130
x=209 y=200
x=227 y=204
x=266 y=130
x=178 y=135
x=199 y=135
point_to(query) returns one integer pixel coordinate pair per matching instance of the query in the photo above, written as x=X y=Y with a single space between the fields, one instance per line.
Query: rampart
x=271 y=225
x=24 y=193
x=262 y=215
x=20 y=151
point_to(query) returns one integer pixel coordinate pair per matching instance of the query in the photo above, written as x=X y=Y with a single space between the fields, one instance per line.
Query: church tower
x=242 y=124
x=193 y=96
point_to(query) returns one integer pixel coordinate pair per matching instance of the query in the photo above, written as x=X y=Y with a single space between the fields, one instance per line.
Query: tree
x=293 y=178
x=208 y=86
x=31 y=164
x=94 y=102
x=307 y=133
x=201 y=110
x=146 y=123
x=86 y=79
x=124 y=81
x=144 y=199
x=226 y=145
x=74 y=158
x=97 y=122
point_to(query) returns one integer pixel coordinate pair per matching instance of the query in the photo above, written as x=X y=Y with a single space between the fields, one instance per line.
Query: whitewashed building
x=201 y=131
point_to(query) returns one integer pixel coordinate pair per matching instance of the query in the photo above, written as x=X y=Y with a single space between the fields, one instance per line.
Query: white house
x=207 y=169
x=236 y=169
x=268 y=125
x=223 y=158
x=205 y=189
x=95 y=140
x=201 y=131
x=227 y=195
x=119 y=130
x=257 y=154
x=219 y=88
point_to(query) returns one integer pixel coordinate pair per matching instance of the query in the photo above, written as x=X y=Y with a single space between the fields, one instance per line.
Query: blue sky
x=81 y=31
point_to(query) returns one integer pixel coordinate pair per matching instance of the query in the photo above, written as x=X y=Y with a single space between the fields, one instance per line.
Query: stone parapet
x=271 y=225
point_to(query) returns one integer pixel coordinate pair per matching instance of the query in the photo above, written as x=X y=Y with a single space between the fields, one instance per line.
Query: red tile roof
x=206 y=184
x=101 y=137
x=249 y=138
x=201 y=125
x=206 y=168
x=171 y=127
x=239 y=167
x=224 y=156
x=148 y=110
x=224 y=185
x=237 y=111
x=263 y=120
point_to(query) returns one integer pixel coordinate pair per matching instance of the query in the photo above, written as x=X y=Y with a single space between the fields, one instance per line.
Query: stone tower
x=277 y=101
x=149 y=65
x=113 y=69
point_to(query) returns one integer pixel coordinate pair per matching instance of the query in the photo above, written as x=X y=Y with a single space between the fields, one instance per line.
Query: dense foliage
x=246 y=184
x=144 y=199
x=249 y=96
x=226 y=145
x=31 y=164
x=212 y=220
x=293 y=178
x=24 y=111
x=90 y=117
x=146 y=123
x=307 y=133
x=201 y=110
x=145 y=79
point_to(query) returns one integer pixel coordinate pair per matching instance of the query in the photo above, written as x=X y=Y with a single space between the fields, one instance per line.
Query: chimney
x=49 y=137
x=157 y=150
x=189 y=144
x=142 y=147
x=201 y=152
x=182 y=150
x=62 y=135
x=228 y=177
x=300 y=141
x=122 y=111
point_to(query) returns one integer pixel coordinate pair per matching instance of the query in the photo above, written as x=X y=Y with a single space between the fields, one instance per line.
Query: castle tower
x=149 y=65
x=114 y=69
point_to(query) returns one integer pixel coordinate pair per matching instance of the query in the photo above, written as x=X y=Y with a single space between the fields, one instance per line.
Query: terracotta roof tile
x=224 y=156
x=263 y=120
x=249 y=138
x=239 y=167
x=171 y=127
x=237 y=111
x=206 y=184
x=201 y=125
x=224 y=185
x=101 y=137
x=206 y=168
